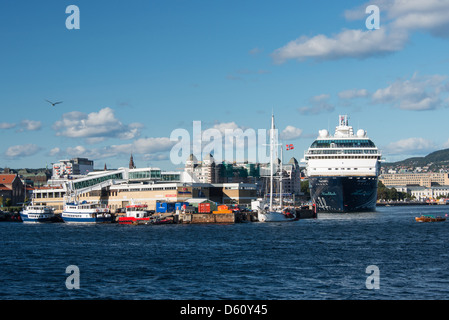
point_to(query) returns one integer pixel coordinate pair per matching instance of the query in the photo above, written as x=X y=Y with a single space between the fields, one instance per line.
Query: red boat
x=135 y=214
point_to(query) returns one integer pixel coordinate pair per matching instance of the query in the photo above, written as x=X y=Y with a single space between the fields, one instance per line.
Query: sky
x=136 y=71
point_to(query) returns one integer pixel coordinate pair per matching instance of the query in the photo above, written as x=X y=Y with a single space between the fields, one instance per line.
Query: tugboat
x=135 y=214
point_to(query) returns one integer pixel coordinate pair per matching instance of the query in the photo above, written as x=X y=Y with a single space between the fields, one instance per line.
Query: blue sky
x=137 y=70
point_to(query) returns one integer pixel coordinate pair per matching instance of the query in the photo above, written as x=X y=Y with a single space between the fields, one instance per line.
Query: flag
x=289 y=146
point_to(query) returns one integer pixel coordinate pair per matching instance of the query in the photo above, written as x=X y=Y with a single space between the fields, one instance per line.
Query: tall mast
x=272 y=142
x=280 y=182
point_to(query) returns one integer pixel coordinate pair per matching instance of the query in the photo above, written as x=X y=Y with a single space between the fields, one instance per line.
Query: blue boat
x=37 y=214
x=86 y=212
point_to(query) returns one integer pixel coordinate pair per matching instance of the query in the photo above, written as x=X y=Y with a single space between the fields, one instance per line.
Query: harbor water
x=323 y=258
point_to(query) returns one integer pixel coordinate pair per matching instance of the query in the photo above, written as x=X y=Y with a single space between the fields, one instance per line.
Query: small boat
x=86 y=212
x=37 y=214
x=161 y=220
x=135 y=214
x=429 y=218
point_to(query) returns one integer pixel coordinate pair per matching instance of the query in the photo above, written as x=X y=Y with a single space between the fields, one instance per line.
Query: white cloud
x=95 y=126
x=416 y=93
x=317 y=104
x=348 y=43
x=399 y=18
x=430 y=15
x=410 y=146
x=6 y=125
x=255 y=51
x=446 y=144
x=353 y=93
x=31 y=125
x=25 y=125
x=25 y=150
x=152 y=147
x=55 y=152
x=290 y=133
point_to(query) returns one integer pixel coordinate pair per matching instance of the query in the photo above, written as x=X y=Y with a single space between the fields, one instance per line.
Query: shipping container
x=170 y=207
x=161 y=207
x=222 y=208
x=180 y=205
x=204 y=207
x=165 y=207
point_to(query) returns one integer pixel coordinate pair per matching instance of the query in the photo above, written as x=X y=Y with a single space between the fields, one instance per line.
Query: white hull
x=36 y=214
x=273 y=216
x=86 y=213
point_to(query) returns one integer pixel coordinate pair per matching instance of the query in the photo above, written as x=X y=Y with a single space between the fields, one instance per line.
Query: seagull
x=53 y=103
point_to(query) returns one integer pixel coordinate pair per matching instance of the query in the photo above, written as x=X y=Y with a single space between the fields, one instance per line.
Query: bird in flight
x=53 y=103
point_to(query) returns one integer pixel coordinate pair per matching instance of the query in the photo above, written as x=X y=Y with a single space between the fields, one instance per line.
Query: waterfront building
x=39 y=178
x=121 y=195
x=428 y=179
x=208 y=171
x=145 y=185
x=70 y=168
x=425 y=193
x=12 y=188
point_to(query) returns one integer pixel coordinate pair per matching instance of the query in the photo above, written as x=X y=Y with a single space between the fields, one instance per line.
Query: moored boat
x=135 y=214
x=429 y=218
x=86 y=212
x=271 y=214
x=37 y=214
x=343 y=170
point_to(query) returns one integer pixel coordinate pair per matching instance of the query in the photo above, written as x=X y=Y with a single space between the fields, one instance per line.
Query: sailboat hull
x=272 y=217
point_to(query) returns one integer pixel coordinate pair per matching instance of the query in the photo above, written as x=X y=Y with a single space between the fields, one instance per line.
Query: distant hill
x=438 y=159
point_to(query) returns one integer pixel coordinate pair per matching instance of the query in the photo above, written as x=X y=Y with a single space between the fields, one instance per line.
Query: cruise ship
x=343 y=170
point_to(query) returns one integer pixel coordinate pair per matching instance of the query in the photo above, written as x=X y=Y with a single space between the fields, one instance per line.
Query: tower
x=131 y=162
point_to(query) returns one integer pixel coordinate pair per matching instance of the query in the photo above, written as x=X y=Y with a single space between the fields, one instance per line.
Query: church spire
x=131 y=162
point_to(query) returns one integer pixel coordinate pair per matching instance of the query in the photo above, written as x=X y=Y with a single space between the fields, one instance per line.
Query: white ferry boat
x=37 y=213
x=343 y=170
x=86 y=212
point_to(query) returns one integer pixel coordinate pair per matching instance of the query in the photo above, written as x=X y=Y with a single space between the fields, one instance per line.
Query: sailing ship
x=272 y=214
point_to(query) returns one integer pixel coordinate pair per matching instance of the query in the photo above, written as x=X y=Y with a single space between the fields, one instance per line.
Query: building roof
x=3 y=187
x=7 y=178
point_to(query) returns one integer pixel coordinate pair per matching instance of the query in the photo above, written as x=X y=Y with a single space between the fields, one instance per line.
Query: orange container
x=222 y=208
x=204 y=208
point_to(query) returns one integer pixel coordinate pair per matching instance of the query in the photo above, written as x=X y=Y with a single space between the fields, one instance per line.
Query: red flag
x=289 y=146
